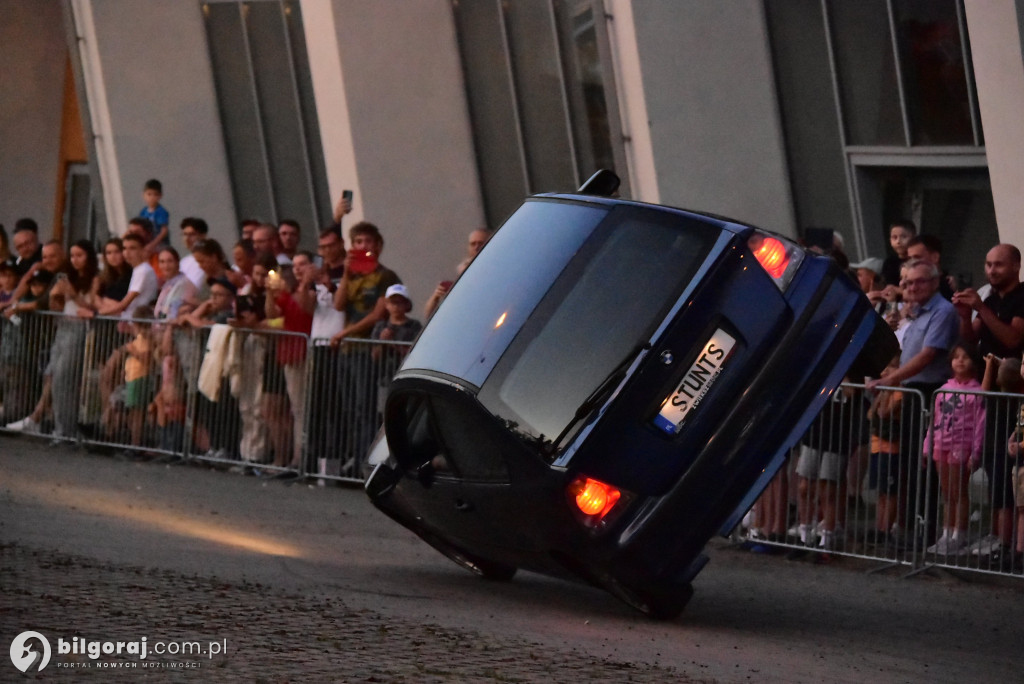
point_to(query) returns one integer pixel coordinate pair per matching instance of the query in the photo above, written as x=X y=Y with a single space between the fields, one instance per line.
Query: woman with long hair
x=71 y=294
x=115 y=277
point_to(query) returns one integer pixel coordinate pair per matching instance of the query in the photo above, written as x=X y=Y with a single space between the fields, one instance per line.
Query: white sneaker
x=801 y=532
x=957 y=544
x=941 y=545
x=827 y=541
x=26 y=424
x=986 y=545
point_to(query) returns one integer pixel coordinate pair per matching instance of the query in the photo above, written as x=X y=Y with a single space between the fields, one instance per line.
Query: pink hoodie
x=958 y=423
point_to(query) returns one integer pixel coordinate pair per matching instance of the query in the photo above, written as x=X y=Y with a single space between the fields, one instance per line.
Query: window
x=921 y=92
x=265 y=94
x=540 y=89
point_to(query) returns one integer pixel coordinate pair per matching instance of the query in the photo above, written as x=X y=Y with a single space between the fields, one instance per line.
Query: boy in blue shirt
x=151 y=195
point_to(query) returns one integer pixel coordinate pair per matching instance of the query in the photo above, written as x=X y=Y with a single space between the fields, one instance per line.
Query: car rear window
x=616 y=290
x=480 y=317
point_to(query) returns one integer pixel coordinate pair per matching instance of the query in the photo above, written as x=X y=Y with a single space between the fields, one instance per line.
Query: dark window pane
x=279 y=112
x=934 y=79
x=310 y=122
x=584 y=75
x=867 y=72
x=538 y=82
x=814 y=146
x=492 y=107
x=236 y=96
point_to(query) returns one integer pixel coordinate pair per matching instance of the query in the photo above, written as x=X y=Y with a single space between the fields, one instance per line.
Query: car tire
x=489 y=570
x=657 y=601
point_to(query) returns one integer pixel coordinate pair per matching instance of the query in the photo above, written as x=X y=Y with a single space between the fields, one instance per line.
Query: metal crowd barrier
x=863 y=482
x=260 y=401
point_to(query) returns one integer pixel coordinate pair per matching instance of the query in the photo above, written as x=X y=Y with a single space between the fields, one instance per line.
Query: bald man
x=999 y=326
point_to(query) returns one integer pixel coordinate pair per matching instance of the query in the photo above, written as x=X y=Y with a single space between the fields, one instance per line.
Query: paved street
x=311 y=584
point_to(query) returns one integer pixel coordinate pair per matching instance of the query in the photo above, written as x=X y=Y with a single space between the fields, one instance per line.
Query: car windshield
x=560 y=297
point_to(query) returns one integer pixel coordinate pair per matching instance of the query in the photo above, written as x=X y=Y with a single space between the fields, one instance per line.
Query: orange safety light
x=593 y=497
x=771 y=254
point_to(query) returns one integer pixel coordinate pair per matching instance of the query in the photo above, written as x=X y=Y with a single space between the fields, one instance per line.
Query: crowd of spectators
x=234 y=359
x=960 y=364
x=172 y=371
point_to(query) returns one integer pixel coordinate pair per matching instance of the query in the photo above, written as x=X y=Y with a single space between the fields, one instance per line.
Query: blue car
x=609 y=385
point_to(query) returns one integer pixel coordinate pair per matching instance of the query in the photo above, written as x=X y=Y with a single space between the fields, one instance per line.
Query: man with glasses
x=932 y=332
x=26 y=245
x=924 y=366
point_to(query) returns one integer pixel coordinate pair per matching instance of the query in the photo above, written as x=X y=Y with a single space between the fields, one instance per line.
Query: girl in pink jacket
x=955 y=442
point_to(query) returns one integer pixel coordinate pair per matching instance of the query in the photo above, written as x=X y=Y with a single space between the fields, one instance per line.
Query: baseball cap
x=397 y=289
x=871 y=263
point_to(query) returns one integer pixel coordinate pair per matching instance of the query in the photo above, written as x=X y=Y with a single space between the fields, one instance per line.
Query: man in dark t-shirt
x=999 y=326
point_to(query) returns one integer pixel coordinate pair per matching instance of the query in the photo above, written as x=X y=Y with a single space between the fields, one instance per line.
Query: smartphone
x=360 y=262
x=347 y=194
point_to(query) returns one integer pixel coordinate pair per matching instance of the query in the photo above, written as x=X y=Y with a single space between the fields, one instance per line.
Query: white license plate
x=696 y=383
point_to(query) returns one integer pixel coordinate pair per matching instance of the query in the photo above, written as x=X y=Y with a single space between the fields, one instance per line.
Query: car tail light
x=779 y=257
x=592 y=500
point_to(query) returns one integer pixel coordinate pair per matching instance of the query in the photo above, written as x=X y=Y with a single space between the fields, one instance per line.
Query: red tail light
x=593 y=500
x=772 y=255
x=778 y=257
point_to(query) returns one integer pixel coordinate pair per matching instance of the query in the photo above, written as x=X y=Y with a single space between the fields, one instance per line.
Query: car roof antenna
x=603 y=183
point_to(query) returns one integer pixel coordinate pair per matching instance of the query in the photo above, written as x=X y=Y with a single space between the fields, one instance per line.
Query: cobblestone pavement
x=276 y=636
x=313 y=584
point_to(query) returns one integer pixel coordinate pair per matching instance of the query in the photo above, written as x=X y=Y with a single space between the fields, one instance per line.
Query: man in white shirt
x=325 y=426
x=192 y=231
x=143 y=288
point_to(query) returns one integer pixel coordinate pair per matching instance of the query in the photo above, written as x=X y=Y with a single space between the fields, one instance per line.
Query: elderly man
x=999 y=326
x=266 y=241
x=924 y=366
x=26 y=244
x=930 y=335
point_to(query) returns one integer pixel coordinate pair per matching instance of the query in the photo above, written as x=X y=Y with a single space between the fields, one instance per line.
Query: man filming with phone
x=361 y=289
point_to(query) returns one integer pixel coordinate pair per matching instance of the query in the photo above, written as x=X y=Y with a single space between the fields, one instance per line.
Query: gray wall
x=32 y=55
x=411 y=132
x=712 y=108
x=164 y=110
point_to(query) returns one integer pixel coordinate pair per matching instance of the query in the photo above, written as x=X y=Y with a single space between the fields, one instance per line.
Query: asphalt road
x=301 y=583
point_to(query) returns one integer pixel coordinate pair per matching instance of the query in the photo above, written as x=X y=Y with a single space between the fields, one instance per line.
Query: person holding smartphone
x=360 y=293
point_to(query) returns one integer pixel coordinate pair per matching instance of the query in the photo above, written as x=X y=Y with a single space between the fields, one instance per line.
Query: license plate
x=696 y=383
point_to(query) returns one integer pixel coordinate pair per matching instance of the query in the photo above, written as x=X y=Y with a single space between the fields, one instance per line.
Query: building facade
x=441 y=115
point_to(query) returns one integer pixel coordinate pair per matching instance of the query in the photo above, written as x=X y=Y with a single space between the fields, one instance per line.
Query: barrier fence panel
x=348 y=386
x=261 y=401
x=26 y=344
x=886 y=475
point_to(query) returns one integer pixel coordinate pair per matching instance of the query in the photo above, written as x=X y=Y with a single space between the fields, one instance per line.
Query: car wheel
x=661 y=602
x=489 y=570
